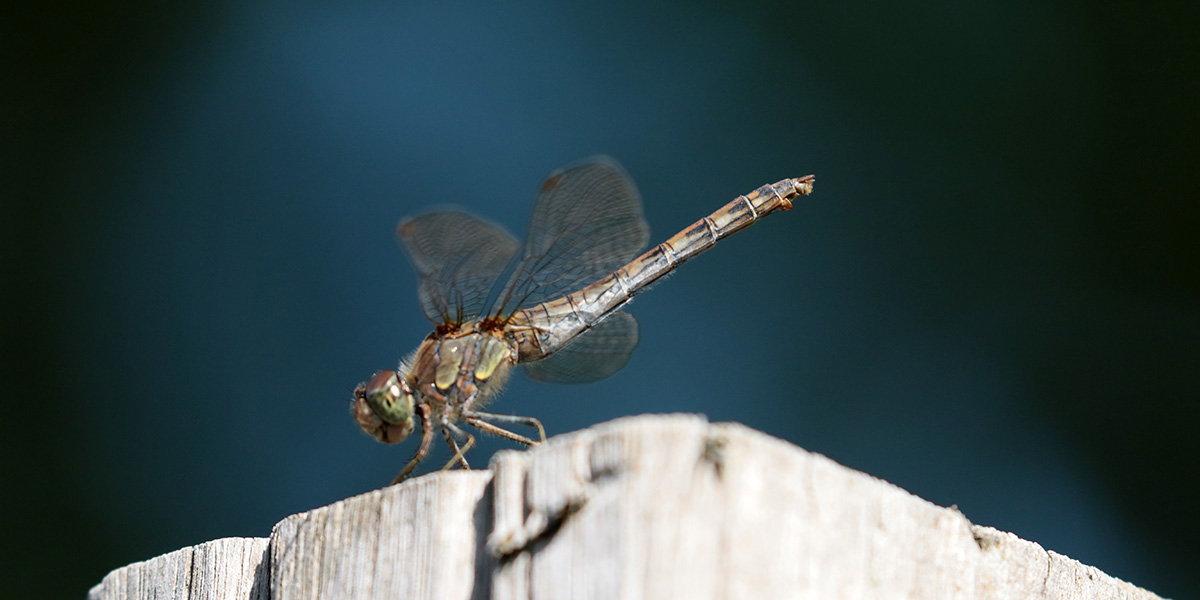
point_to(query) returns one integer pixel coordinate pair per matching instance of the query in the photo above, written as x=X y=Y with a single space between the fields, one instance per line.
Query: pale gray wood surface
x=415 y=540
x=645 y=507
x=225 y=569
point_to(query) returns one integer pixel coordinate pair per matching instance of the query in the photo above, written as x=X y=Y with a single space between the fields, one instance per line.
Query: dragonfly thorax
x=449 y=372
x=460 y=369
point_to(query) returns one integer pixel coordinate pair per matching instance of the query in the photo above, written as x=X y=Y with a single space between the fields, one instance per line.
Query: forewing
x=458 y=258
x=592 y=355
x=587 y=222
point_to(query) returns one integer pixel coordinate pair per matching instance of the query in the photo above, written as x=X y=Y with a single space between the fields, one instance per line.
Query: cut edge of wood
x=519 y=504
x=233 y=567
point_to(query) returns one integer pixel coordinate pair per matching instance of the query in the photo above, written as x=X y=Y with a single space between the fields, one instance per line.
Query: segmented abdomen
x=540 y=330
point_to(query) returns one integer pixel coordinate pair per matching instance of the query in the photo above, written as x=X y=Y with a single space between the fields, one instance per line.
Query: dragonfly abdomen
x=546 y=327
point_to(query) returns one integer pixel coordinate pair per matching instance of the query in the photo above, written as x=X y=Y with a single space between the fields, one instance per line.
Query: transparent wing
x=592 y=355
x=458 y=258
x=587 y=222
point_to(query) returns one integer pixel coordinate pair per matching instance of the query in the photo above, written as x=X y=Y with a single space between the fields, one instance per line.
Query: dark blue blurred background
x=991 y=300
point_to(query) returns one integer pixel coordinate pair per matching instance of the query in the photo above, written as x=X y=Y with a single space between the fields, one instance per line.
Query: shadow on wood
x=644 y=507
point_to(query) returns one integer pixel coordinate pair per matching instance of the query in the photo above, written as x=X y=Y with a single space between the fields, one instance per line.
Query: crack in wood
x=539 y=527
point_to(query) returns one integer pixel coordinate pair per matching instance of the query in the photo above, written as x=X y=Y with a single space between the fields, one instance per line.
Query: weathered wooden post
x=647 y=507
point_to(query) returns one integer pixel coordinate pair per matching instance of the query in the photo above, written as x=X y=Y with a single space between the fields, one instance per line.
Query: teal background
x=991 y=300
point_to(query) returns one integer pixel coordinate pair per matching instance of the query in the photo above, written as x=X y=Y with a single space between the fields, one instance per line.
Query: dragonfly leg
x=487 y=422
x=426 y=442
x=450 y=430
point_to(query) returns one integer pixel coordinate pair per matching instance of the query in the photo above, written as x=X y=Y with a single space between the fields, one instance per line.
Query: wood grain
x=647 y=507
x=224 y=569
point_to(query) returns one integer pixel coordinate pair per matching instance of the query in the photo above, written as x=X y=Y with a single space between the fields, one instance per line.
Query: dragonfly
x=558 y=315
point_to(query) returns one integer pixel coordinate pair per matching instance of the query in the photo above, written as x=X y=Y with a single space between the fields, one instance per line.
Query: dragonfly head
x=383 y=407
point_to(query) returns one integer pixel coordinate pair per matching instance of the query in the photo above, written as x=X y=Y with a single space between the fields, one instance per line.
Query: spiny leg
x=485 y=422
x=453 y=448
x=450 y=430
x=426 y=442
x=514 y=420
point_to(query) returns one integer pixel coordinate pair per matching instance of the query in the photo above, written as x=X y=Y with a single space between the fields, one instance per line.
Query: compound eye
x=384 y=406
